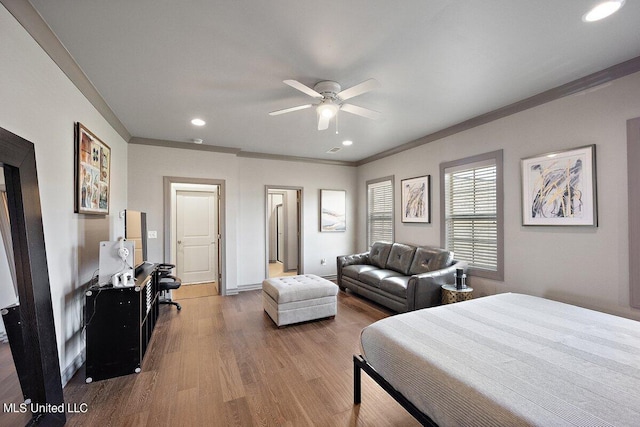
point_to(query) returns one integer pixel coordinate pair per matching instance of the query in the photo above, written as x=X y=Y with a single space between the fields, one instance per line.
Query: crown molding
x=254 y=155
x=235 y=151
x=33 y=23
x=589 y=82
x=183 y=145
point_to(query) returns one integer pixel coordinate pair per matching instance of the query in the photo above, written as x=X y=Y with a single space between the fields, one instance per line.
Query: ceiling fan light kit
x=327 y=109
x=332 y=97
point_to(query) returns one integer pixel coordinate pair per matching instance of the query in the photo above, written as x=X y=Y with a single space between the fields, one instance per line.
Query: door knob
x=179 y=242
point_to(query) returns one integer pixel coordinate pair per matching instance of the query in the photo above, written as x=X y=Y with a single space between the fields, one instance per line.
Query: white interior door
x=197 y=236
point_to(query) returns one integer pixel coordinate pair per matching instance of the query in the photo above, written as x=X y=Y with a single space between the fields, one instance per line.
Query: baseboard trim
x=257 y=286
x=250 y=287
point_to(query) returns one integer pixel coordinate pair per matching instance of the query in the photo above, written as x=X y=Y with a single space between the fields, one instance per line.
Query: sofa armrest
x=345 y=260
x=425 y=290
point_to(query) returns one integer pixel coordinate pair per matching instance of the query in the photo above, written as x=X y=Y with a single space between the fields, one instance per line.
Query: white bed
x=510 y=359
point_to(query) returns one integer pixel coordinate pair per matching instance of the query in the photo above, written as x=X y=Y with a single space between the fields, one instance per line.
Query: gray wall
x=245 y=180
x=582 y=265
x=40 y=104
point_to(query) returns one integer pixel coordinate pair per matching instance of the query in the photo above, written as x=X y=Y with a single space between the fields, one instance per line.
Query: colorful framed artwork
x=93 y=171
x=559 y=188
x=333 y=210
x=416 y=199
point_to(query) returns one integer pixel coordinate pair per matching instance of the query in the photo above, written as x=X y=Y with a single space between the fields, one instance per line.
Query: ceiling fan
x=332 y=97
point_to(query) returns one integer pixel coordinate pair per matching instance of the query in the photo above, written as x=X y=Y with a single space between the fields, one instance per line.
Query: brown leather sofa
x=399 y=276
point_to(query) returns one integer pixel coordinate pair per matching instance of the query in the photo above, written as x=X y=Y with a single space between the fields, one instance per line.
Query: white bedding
x=511 y=359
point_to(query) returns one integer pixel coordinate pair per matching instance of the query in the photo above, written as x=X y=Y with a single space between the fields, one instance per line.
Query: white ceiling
x=158 y=64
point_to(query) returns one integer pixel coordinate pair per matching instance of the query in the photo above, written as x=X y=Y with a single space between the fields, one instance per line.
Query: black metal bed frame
x=360 y=364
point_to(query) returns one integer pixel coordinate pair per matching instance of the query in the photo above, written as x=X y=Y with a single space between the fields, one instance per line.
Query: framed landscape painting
x=416 y=199
x=333 y=206
x=560 y=188
x=92 y=173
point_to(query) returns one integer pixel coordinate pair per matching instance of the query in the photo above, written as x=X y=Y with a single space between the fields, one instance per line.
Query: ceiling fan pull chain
x=337 y=123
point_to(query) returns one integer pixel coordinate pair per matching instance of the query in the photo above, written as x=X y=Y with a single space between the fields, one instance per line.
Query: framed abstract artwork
x=92 y=173
x=559 y=188
x=333 y=210
x=416 y=199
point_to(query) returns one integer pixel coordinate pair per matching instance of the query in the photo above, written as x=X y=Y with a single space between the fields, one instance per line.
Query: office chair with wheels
x=167 y=282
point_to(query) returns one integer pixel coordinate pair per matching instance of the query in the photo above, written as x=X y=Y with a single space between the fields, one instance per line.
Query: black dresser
x=119 y=325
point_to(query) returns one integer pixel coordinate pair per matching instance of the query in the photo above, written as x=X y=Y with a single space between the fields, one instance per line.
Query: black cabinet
x=119 y=325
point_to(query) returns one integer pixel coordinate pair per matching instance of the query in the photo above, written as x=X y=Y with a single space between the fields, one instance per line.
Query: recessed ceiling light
x=347 y=142
x=602 y=10
x=198 y=122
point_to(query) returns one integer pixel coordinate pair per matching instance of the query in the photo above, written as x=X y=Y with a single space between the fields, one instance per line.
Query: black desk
x=119 y=325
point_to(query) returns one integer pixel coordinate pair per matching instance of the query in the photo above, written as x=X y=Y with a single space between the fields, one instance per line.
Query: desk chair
x=167 y=282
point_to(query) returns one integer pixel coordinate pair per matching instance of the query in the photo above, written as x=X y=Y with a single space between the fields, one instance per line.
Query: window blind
x=380 y=211
x=471 y=219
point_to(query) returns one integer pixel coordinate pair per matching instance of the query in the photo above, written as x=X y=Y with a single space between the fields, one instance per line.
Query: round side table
x=450 y=294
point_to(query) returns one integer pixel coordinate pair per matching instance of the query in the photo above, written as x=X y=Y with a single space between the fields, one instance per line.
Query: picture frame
x=416 y=199
x=92 y=173
x=559 y=188
x=333 y=210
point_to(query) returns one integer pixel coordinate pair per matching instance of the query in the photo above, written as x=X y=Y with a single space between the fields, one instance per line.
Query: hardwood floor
x=276 y=269
x=221 y=361
x=10 y=391
x=198 y=290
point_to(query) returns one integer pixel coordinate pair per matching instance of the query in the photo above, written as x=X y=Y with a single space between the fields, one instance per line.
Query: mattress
x=509 y=360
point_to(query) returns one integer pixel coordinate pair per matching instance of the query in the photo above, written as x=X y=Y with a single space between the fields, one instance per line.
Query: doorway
x=194 y=234
x=197 y=235
x=283 y=231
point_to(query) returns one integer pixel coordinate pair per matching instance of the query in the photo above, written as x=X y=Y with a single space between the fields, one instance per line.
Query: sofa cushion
x=396 y=285
x=441 y=260
x=400 y=258
x=373 y=277
x=430 y=259
x=354 y=270
x=379 y=254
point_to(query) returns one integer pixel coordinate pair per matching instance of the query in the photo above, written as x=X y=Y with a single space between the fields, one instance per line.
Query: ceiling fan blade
x=302 y=88
x=288 y=110
x=359 y=89
x=323 y=122
x=361 y=111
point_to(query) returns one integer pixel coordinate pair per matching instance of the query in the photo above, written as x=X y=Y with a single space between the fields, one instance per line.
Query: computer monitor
x=135 y=229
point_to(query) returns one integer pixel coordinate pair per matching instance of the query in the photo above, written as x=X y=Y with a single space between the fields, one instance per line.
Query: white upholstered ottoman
x=300 y=298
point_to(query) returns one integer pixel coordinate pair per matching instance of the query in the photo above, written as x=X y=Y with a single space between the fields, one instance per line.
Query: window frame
x=391 y=179
x=497 y=157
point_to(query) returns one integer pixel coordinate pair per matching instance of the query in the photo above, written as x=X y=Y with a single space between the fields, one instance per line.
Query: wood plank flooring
x=221 y=361
x=10 y=391
x=276 y=269
x=188 y=291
